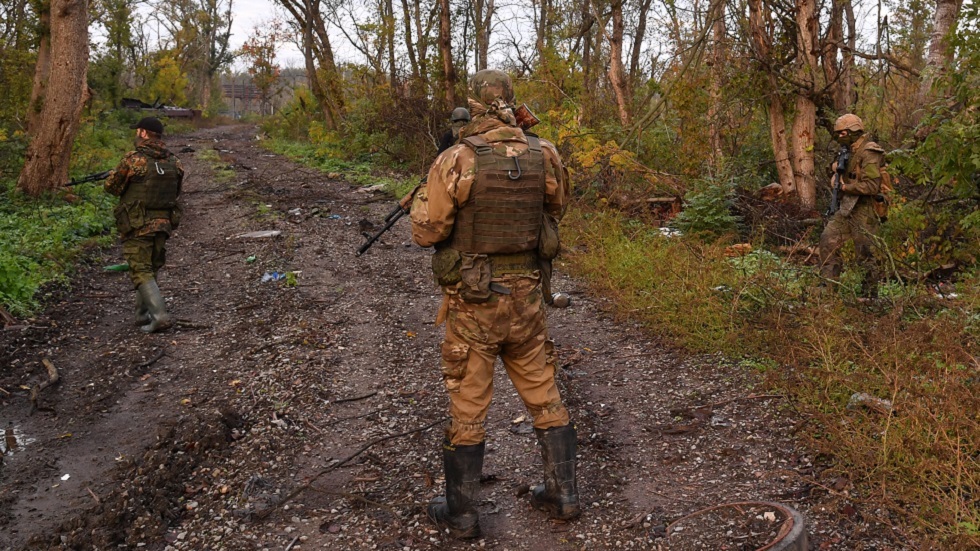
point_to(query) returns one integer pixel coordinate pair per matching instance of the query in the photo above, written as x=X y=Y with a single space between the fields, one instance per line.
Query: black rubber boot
x=456 y=511
x=142 y=313
x=558 y=496
x=156 y=307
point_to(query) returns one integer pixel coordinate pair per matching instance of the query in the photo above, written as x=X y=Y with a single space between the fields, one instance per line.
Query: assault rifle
x=843 y=158
x=90 y=178
x=403 y=207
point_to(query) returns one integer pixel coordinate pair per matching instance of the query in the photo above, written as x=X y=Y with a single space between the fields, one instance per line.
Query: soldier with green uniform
x=855 y=219
x=483 y=209
x=148 y=182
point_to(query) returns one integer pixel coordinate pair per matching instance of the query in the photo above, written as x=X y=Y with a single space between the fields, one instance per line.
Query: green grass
x=43 y=238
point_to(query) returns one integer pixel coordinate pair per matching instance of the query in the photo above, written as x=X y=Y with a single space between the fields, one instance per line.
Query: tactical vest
x=506 y=204
x=157 y=191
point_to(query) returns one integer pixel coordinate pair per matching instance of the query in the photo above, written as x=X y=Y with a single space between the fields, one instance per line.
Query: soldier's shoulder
x=873 y=146
x=454 y=155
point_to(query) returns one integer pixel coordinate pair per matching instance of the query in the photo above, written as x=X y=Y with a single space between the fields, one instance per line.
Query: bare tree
x=805 y=119
x=59 y=93
x=483 y=11
x=716 y=14
x=321 y=70
x=446 y=51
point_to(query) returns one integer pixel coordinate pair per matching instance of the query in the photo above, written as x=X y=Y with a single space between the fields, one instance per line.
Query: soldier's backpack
x=884 y=198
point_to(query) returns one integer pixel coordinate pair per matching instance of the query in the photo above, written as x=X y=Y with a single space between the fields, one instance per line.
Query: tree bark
x=60 y=92
x=805 y=121
x=759 y=15
x=716 y=13
x=409 y=43
x=617 y=76
x=324 y=80
x=940 y=54
x=641 y=30
x=446 y=49
x=389 y=26
x=482 y=16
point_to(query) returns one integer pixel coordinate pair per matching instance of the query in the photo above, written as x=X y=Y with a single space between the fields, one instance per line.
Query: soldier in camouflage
x=856 y=219
x=459 y=118
x=148 y=182
x=482 y=209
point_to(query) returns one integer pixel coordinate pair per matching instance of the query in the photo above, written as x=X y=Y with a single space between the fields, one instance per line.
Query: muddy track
x=190 y=439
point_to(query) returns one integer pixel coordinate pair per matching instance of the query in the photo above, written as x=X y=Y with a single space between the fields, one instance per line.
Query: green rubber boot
x=156 y=307
x=558 y=496
x=456 y=511
x=142 y=313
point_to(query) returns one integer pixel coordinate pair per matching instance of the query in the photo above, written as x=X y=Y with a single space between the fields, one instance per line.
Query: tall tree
x=716 y=14
x=446 y=51
x=805 y=118
x=483 y=11
x=940 y=53
x=321 y=70
x=59 y=93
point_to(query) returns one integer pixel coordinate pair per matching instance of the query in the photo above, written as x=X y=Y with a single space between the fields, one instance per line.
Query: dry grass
x=921 y=462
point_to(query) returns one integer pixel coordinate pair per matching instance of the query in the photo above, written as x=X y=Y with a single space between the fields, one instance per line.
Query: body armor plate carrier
x=158 y=190
x=506 y=204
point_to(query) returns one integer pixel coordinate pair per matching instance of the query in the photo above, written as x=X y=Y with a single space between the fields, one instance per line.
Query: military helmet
x=460 y=114
x=849 y=122
x=490 y=84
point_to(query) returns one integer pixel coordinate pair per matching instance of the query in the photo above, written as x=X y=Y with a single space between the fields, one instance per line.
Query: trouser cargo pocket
x=454 y=357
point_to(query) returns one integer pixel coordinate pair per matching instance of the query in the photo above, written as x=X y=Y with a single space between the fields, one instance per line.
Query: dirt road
x=190 y=439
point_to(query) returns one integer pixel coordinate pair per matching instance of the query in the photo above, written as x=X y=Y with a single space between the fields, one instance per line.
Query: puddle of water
x=14 y=440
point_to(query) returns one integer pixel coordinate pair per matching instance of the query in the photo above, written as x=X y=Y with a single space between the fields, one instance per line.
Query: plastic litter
x=124 y=267
x=272 y=276
x=334 y=217
x=250 y=258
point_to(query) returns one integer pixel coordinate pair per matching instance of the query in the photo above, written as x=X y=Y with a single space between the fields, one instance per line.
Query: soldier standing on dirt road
x=856 y=219
x=148 y=182
x=482 y=209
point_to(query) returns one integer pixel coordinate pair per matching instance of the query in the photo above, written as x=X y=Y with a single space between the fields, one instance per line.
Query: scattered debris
x=863 y=399
x=264 y=234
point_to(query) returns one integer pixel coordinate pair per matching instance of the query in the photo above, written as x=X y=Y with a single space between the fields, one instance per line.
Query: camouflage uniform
x=856 y=219
x=144 y=246
x=482 y=208
x=511 y=326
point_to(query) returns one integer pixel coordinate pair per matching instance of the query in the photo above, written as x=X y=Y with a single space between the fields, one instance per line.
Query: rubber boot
x=456 y=511
x=558 y=496
x=156 y=307
x=142 y=313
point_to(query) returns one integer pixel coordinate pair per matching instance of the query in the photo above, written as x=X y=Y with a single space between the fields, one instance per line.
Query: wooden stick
x=292 y=543
x=53 y=379
x=95 y=497
x=264 y=514
x=152 y=360
x=355 y=398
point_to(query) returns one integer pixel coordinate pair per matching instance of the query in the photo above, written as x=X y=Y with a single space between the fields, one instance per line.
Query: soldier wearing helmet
x=488 y=209
x=856 y=219
x=459 y=118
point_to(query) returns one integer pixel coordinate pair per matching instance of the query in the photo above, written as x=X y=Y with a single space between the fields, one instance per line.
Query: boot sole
x=456 y=533
x=555 y=511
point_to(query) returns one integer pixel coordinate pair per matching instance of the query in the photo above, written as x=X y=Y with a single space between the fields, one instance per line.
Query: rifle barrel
x=393 y=217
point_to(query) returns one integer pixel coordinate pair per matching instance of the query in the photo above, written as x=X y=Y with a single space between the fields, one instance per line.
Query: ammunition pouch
x=445 y=266
x=176 y=215
x=129 y=216
x=548 y=243
x=474 y=272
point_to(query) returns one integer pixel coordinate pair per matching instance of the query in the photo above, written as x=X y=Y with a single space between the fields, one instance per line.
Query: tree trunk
x=718 y=31
x=762 y=42
x=587 y=23
x=940 y=54
x=805 y=121
x=446 y=49
x=56 y=110
x=617 y=77
x=409 y=43
x=389 y=19
x=641 y=30
x=482 y=17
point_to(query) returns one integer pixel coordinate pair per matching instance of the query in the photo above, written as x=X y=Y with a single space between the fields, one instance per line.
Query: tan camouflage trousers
x=859 y=226
x=145 y=256
x=512 y=327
